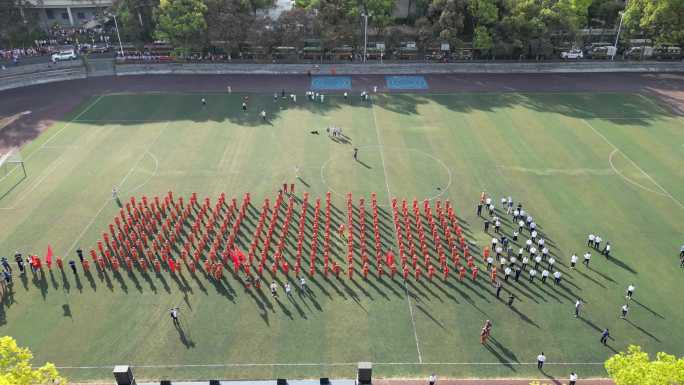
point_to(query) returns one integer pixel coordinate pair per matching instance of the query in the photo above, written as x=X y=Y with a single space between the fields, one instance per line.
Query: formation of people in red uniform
x=170 y=234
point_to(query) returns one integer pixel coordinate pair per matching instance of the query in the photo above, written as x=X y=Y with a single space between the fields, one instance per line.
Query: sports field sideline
x=607 y=163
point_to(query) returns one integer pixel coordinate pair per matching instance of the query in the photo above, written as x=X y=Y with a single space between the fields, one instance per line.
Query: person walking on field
x=174 y=315
x=573 y=378
x=432 y=380
x=541 y=358
x=604 y=336
x=623 y=311
x=630 y=291
x=578 y=307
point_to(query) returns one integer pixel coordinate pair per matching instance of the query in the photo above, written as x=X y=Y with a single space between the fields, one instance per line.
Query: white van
x=69 y=54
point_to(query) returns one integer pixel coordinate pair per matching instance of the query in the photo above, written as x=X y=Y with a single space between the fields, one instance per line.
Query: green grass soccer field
x=610 y=164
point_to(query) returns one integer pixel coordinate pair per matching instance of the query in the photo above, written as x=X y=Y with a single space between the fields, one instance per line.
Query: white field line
x=119 y=120
x=667 y=194
x=44 y=145
x=37 y=183
x=389 y=198
x=653 y=103
x=637 y=184
x=152 y=174
x=353 y=364
x=74 y=120
x=108 y=200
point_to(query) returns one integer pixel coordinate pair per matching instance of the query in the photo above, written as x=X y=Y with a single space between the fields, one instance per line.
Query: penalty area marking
x=353 y=364
x=44 y=145
x=108 y=200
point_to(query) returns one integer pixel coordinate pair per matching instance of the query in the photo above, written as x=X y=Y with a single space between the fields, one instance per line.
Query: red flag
x=48 y=256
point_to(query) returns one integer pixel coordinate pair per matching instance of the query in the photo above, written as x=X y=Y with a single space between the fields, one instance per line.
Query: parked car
x=572 y=54
x=639 y=53
x=69 y=54
x=668 y=53
x=99 y=48
x=604 y=52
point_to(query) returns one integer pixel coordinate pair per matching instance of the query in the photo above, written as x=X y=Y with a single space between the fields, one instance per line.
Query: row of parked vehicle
x=606 y=51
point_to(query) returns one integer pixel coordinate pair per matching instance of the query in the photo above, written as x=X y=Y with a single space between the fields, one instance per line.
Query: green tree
x=17 y=29
x=136 y=19
x=482 y=40
x=604 y=13
x=484 y=12
x=660 y=20
x=228 y=23
x=182 y=23
x=448 y=19
x=294 y=26
x=635 y=368
x=16 y=369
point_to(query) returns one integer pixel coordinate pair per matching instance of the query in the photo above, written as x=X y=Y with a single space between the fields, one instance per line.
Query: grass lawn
x=610 y=164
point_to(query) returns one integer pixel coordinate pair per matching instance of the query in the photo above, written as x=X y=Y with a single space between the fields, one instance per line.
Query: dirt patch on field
x=37 y=107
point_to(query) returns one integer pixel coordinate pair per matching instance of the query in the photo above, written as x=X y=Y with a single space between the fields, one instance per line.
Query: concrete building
x=68 y=13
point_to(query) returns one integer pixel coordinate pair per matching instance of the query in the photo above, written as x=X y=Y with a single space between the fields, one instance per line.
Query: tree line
x=493 y=28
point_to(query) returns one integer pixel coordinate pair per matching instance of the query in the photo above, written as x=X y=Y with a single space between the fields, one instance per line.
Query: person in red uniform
x=364 y=270
x=445 y=270
x=474 y=273
x=406 y=272
x=431 y=272
x=493 y=275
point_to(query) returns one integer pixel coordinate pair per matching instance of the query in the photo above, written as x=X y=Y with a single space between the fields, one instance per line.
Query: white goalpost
x=10 y=161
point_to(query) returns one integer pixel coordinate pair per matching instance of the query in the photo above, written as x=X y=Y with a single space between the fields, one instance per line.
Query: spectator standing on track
x=204 y=102
x=541 y=358
x=263 y=115
x=604 y=336
x=432 y=380
x=573 y=378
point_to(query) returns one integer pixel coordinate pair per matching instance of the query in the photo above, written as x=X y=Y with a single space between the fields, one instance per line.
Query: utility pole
x=365 y=35
x=617 y=37
x=116 y=25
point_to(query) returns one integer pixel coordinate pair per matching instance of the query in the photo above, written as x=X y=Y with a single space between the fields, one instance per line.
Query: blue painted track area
x=406 y=83
x=331 y=83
